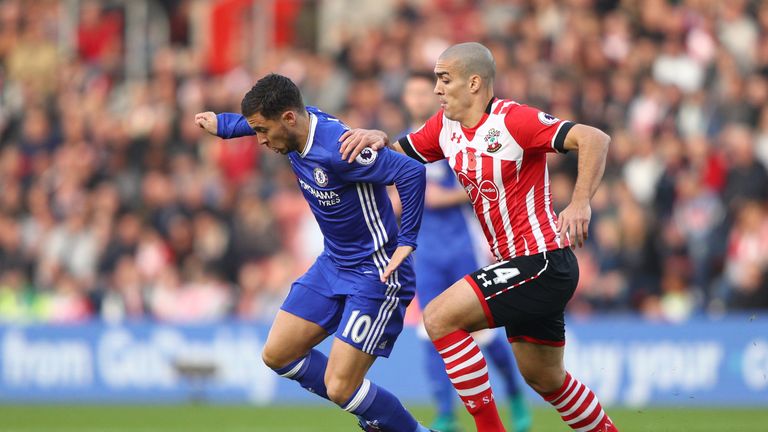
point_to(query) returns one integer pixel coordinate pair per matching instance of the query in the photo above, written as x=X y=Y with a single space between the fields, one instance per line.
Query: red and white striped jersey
x=502 y=164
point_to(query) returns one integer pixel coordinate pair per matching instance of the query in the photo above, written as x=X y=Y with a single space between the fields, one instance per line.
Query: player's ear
x=475 y=82
x=289 y=117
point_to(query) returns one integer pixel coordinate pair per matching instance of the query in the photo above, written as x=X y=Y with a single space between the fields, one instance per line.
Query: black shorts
x=527 y=295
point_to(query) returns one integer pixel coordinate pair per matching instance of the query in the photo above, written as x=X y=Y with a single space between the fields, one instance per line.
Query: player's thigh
x=458 y=307
x=289 y=338
x=347 y=367
x=542 y=366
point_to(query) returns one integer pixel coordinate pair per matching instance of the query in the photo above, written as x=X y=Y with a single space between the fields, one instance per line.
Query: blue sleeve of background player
x=231 y=125
x=389 y=167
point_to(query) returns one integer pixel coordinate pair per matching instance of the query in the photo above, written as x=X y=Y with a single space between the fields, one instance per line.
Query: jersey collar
x=310 y=135
x=470 y=132
x=490 y=104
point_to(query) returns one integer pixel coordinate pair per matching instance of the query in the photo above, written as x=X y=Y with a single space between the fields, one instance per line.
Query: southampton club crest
x=321 y=178
x=492 y=140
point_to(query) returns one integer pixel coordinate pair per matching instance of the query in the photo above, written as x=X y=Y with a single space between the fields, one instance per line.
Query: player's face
x=453 y=89
x=277 y=134
x=419 y=99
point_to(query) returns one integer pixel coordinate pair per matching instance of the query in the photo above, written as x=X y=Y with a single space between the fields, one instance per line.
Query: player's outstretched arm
x=592 y=145
x=224 y=125
x=207 y=121
x=354 y=141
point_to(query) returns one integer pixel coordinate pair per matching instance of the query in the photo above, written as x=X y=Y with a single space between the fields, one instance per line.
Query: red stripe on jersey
x=477 y=204
x=511 y=188
x=528 y=180
x=499 y=104
x=495 y=211
x=508 y=178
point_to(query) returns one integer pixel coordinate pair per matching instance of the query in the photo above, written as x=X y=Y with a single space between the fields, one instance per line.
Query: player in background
x=498 y=150
x=360 y=285
x=449 y=249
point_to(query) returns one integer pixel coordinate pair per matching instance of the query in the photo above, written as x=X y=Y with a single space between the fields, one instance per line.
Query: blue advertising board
x=627 y=361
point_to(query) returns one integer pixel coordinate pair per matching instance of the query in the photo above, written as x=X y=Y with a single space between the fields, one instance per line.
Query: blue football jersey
x=349 y=200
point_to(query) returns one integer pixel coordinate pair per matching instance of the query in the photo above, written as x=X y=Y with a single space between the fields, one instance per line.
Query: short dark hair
x=271 y=96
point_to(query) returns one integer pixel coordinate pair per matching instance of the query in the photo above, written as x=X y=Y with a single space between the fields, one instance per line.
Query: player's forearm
x=411 y=184
x=592 y=145
x=439 y=197
x=231 y=125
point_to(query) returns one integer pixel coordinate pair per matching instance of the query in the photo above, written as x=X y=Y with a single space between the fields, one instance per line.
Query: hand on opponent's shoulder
x=354 y=141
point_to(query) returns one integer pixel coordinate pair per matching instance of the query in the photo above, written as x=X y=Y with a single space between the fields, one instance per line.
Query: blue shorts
x=353 y=303
x=438 y=270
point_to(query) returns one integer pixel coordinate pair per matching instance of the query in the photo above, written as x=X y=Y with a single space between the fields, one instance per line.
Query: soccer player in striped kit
x=498 y=149
x=450 y=246
x=360 y=285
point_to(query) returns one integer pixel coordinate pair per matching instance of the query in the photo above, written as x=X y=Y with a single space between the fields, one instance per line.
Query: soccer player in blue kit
x=360 y=285
x=450 y=248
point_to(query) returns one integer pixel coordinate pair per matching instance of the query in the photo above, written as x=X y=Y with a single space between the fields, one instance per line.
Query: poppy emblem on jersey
x=547 y=119
x=366 y=157
x=471 y=159
x=486 y=189
x=492 y=139
x=321 y=178
x=456 y=137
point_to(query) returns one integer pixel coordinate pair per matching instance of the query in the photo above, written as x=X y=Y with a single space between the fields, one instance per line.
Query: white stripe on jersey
x=486 y=206
x=534 y=221
x=393 y=301
x=375 y=225
x=503 y=208
x=377 y=240
x=547 y=206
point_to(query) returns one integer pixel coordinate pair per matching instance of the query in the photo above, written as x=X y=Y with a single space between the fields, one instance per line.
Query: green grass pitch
x=207 y=418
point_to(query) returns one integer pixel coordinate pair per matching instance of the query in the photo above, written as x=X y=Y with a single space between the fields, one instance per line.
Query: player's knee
x=543 y=381
x=434 y=321
x=272 y=360
x=438 y=321
x=340 y=390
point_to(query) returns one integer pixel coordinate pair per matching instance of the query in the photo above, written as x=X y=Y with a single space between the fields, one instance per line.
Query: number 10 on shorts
x=359 y=325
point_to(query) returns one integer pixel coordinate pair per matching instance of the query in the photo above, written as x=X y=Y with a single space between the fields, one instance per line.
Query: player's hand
x=354 y=141
x=401 y=253
x=207 y=120
x=573 y=222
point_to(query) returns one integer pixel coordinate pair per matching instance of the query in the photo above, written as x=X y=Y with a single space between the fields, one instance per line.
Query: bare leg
x=457 y=308
x=347 y=367
x=290 y=338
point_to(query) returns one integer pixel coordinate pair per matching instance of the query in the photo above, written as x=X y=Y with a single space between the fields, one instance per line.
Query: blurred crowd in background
x=114 y=205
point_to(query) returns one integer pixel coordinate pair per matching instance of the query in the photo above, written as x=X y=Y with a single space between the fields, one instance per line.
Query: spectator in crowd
x=114 y=206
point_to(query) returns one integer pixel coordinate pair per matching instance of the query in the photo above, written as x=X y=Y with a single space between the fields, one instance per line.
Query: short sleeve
x=536 y=130
x=424 y=144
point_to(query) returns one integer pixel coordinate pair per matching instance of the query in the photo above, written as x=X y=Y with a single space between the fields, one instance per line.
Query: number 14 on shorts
x=501 y=275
